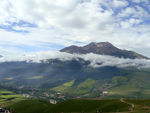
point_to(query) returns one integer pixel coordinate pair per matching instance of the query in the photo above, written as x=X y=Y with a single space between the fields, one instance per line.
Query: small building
x=58 y=93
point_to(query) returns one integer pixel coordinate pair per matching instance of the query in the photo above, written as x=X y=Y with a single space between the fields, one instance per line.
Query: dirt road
x=132 y=108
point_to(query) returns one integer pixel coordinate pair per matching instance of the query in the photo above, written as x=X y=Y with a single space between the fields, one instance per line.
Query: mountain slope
x=52 y=73
x=102 y=48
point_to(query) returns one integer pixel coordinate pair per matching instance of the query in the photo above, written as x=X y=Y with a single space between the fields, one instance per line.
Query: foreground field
x=80 y=106
x=73 y=105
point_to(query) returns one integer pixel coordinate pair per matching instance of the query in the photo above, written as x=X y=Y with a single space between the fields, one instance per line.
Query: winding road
x=132 y=108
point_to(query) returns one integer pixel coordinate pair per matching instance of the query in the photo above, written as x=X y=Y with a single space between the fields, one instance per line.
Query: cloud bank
x=95 y=60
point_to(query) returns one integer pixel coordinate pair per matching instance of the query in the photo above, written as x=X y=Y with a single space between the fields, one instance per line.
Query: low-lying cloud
x=95 y=59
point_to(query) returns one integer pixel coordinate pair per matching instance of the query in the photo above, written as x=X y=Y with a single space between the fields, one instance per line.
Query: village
x=4 y=110
x=52 y=97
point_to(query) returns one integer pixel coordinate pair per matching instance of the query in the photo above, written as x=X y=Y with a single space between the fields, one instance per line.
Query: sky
x=28 y=26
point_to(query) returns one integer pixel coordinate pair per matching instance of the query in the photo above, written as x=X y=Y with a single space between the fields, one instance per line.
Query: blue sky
x=10 y=26
x=48 y=25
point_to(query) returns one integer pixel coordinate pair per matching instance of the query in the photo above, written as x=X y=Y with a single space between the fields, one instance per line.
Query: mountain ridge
x=102 y=48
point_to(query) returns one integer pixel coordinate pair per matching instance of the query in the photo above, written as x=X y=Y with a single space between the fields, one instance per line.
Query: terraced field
x=8 y=97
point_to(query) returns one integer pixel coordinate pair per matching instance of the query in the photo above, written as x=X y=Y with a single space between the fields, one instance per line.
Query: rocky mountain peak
x=102 y=48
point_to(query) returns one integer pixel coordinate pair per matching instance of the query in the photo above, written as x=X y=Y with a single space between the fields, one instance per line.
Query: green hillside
x=135 y=85
x=127 y=84
x=64 y=87
x=36 y=106
x=81 y=88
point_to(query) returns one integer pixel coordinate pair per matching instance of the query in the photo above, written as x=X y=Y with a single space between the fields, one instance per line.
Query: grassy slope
x=64 y=87
x=38 y=106
x=82 y=88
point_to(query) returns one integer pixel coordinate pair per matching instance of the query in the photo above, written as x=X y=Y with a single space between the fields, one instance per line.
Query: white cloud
x=141 y=1
x=137 y=1
x=130 y=23
x=120 y=3
x=95 y=60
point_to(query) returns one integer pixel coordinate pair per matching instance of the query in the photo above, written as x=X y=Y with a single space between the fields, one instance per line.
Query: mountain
x=102 y=48
x=77 y=78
